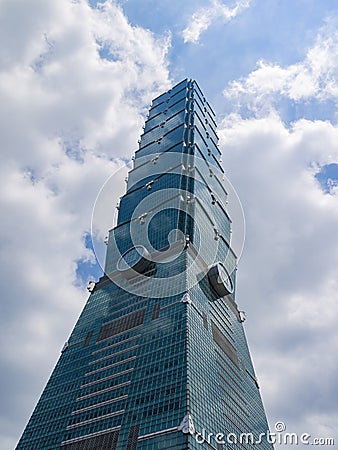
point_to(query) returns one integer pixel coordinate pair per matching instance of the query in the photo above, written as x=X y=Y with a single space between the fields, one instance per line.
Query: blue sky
x=76 y=81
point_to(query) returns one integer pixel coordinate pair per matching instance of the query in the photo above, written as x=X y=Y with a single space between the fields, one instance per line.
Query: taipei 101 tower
x=158 y=358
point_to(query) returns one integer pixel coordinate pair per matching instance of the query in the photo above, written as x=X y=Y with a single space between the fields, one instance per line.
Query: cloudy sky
x=76 y=79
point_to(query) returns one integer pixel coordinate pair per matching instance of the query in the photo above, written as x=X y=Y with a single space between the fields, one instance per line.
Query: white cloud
x=314 y=78
x=203 y=18
x=65 y=115
x=287 y=277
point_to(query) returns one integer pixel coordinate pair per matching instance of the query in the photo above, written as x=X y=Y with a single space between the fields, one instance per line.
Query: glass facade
x=158 y=358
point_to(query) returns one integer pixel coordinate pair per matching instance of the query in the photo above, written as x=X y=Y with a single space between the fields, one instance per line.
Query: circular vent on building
x=220 y=280
x=134 y=261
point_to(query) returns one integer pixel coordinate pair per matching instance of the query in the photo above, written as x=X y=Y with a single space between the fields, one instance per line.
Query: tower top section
x=178 y=120
x=175 y=203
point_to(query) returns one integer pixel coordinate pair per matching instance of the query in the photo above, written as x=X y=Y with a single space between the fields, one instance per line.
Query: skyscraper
x=158 y=358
